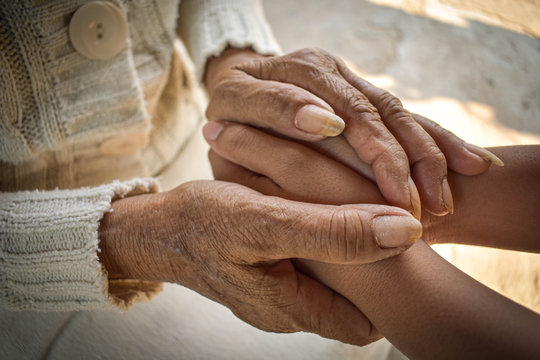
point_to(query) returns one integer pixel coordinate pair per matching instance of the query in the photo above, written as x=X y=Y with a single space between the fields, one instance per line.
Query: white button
x=98 y=30
x=124 y=144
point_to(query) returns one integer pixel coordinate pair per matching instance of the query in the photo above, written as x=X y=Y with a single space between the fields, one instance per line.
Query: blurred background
x=473 y=66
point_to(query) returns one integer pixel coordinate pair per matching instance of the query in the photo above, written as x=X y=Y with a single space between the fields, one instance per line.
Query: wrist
x=106 y=253
x=125 y=251
x=111 y=243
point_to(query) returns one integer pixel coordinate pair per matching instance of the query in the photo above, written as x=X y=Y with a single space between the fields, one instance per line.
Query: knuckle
x=344 y=240
x=359 y=235
x=390 y=104
x=359 y=104
x=432 y=157
x=238 y=138
x=336 y=238
x=305 y=53
x=263 y=236
x=258 y=68
x=315 y=61
x=391 y=162
x=225 y=89
x=393 y=113
x=277 y=104
x=436 y=155
x=310 y=53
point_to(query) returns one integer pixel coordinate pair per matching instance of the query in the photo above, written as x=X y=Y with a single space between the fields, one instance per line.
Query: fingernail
x=212 y=130
x=448 y=200
x=484 y=154
x=415 y=199
x=318 y=121
x=395 y=231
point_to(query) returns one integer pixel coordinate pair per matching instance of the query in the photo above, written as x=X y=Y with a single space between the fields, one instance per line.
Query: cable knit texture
x=207 y=27
x=50 y=244
x=58 y=110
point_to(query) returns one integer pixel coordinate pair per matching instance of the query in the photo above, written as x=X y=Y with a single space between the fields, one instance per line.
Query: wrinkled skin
x=327 y=171
x=417 y=295
x=234 y=245
x=324 y=172
x=399 y=150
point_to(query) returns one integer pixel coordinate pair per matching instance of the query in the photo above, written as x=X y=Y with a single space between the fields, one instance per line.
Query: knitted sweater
x=70 y=126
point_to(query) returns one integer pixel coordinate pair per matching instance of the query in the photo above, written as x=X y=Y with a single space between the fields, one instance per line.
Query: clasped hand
x=307 y=94
x=235 y=245
x=306 y=98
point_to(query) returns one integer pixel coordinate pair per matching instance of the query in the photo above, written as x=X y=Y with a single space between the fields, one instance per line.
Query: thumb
x=347 y=234
x=285 y=108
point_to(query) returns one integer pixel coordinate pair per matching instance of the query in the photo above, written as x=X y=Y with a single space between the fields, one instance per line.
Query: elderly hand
x=234 y=245
x=306 y=94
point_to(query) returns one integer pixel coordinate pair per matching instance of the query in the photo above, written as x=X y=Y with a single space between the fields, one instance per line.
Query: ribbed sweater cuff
x=49 y=249
x=207 y=27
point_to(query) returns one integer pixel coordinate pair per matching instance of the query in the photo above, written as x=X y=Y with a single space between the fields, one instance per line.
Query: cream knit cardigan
x=57 y=110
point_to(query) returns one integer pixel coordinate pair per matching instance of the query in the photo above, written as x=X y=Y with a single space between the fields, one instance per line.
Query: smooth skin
x=421 y=303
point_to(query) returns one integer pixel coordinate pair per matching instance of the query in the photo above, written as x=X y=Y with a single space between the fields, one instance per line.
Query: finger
x=288 y=165
x=285 y=108
x=464 y=158
x=349 y=235
x=318 y=309
x=346 y=234
x=226 y=170
x=389 y=163
x=289 y=301
x=316 y=71
x=427 y=161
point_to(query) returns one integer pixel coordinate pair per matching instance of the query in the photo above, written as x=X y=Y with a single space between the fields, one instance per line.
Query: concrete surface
x=471 y=66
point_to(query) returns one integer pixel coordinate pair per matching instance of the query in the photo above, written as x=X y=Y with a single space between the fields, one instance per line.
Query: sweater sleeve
x=207 y=27
x=49 y=250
